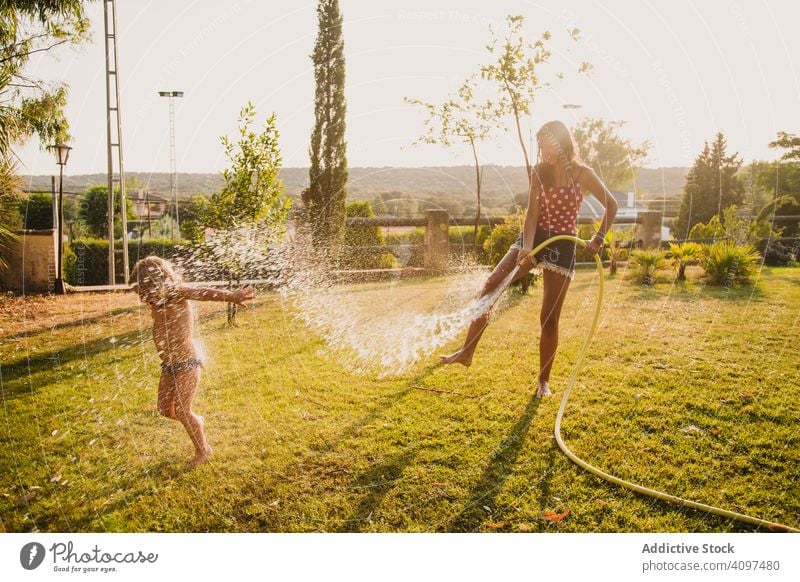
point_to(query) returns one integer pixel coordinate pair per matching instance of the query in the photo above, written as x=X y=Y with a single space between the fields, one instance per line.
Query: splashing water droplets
x=371 y=327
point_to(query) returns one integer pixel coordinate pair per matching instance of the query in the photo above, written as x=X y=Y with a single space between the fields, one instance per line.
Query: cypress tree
x=327 y=192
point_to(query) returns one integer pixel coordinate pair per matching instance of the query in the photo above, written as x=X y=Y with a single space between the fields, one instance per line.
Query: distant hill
x=501 y=184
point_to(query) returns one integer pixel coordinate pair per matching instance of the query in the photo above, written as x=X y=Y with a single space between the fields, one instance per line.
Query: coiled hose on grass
x=616 y=480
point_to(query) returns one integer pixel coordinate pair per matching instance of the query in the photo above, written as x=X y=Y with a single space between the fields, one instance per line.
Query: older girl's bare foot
x=459 y=357
x=201 y=457
x=544 y=390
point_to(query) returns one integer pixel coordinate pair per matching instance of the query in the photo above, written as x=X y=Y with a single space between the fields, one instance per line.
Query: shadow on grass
x=75 y=323
x=384 y=403
x=77 y=516
x=378 y=480
x=500 y=466
x=695 y=291
x=54 y=359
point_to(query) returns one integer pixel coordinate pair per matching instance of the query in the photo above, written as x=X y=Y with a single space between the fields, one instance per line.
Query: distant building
x=626 y=201
x=148 y=206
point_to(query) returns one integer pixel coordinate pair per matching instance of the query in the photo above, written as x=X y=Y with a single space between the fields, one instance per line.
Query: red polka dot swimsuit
x=558 y=209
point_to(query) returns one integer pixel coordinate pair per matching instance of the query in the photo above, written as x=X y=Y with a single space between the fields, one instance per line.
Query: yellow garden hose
x=622 y=483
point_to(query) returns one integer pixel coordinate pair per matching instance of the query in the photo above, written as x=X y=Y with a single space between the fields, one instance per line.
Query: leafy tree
x=612 y=156
x=711 y=185
x=462 y=119
x=93 y=211
x=252 y=191
x=789 y=142
x=191 y=218
x=28 y=106
x=327 y=191
x=10 y=195
x=711 y=230
x=251 y=205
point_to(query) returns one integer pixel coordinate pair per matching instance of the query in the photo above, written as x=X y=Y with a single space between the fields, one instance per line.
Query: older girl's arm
x=531 y=216
x=594 y=185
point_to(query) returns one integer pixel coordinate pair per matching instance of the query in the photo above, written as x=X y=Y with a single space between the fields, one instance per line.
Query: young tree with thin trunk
x=516 y=73
x=464 y=119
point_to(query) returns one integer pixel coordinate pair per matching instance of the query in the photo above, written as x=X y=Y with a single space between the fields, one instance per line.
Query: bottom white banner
x=389 y=557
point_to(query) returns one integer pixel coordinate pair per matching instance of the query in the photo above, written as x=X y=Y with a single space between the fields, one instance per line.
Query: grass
x=687 y=388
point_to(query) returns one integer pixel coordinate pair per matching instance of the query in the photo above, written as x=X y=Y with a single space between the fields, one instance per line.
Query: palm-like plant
x=682 y=255
x=613 y=241
x=727 y=263
x=9 y=195
x=645 y=262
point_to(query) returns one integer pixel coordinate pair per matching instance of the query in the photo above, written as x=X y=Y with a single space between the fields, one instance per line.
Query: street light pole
x=62 y=155
x=173 y=177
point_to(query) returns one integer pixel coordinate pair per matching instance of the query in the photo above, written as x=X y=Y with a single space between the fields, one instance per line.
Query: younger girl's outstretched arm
x=239 y=296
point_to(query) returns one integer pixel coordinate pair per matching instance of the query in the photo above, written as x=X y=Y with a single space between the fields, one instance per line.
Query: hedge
x=86 y=260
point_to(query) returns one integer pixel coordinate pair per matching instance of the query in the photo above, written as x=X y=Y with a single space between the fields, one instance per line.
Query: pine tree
x=712 y=185
x=327 y=192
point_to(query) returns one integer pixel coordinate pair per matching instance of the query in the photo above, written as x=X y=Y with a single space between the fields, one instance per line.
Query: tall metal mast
x=173 y=176
x=114 y=135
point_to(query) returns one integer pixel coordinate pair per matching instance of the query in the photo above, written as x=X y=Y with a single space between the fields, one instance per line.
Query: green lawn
x=687 y=389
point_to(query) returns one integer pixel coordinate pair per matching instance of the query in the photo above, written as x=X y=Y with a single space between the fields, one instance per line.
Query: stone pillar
x=31 y=263
x=648 y=228
x=437 y=239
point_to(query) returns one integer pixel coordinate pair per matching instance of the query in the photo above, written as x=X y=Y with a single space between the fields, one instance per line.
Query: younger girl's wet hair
x=154 y=274
x=559 y=135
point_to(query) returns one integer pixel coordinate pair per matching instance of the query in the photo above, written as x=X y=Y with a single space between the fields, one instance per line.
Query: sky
x=675 y=71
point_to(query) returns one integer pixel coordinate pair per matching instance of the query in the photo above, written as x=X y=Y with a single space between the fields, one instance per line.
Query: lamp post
x=173 y=178
x=62 y=155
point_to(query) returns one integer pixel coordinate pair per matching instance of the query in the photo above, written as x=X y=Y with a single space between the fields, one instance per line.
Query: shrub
x=416 y=256
x=775 y=254
x=644 y=263
x=683 y=255
x=501 y=238
x=713 y=229
x=363 y=236
x=463 y=238
x=726 y=263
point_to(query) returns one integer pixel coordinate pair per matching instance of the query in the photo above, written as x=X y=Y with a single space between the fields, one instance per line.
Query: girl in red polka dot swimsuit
x=559 y=207
x=556 y=192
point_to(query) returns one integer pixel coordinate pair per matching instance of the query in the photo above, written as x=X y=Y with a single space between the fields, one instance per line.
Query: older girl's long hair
x=559 y=135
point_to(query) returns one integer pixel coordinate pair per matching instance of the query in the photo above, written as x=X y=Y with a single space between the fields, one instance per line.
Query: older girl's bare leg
x=555 y=290
x=478 y=325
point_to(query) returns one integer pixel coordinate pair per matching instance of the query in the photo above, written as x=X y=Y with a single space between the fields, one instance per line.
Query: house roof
x=626 y=202
x=140 y=196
